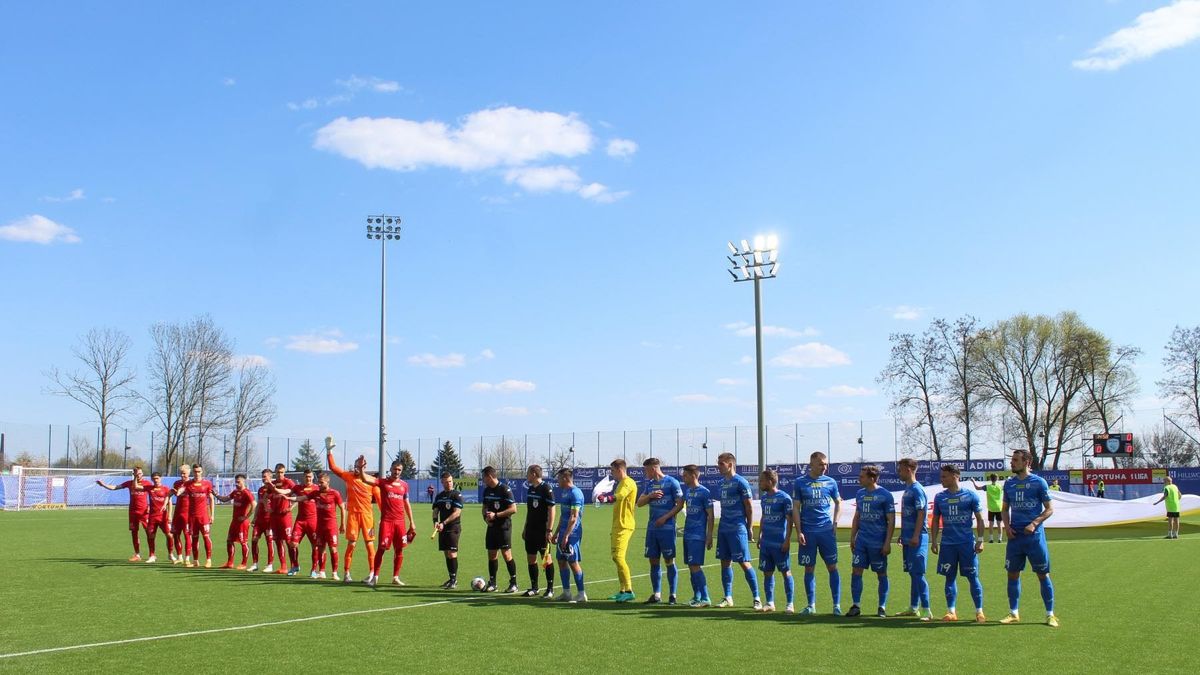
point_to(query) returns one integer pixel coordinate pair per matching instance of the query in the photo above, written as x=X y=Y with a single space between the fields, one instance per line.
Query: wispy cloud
x=811 y=355
x=731 y=381
x=1150 y=33
x=621 y=148
x=324 y=342
x=228 y=81
x=428 y=360
x=487 y=355
x=845 y=391
x=38 y=229
x=694 y=398
x=347 y=90
x=519 y=411
x=505 y=387
x=514 y=139
x=906 y=312
x=72 y=196
x=743 y=329
x=249 y=361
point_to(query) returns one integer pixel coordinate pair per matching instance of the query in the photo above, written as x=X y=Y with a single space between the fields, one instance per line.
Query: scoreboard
x=1112 y=445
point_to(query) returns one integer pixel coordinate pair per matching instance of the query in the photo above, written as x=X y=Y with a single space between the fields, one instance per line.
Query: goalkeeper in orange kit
x=360 y=515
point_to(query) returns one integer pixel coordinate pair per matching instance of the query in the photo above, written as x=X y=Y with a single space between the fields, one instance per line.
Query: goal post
x=43 y=488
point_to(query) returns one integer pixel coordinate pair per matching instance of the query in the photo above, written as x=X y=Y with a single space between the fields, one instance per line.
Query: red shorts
x=304 y=528
x=197 y=526
x=137 y=520
x=178 y=523
x=393 y=531
x=263 y=527
x=327 y=535
x=159 y=522
x=282 y=525
x=238 y=531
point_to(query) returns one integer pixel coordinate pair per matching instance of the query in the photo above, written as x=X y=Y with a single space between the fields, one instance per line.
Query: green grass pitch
x=1123 y=595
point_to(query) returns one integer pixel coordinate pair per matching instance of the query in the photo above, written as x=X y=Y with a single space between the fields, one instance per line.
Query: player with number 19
x=774 y=540
x=697 y=532
x=871 y=537
x=958 y=549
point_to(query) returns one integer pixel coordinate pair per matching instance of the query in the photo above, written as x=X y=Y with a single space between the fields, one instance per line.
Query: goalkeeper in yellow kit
x=624 y=502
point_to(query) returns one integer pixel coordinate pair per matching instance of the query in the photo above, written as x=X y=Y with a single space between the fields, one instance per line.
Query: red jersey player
x=306 y=522
x=159 y=518
x=200 y=514
x=179 y=517
x=262 y=523
x=138 y=507
x=331 y=520
x=281 y=517
x=394 y=513
x=239 y=522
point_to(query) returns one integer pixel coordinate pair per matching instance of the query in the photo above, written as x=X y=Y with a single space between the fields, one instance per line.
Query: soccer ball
x=478 y=583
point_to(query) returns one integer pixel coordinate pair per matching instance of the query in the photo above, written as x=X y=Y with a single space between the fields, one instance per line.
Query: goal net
x=42 y=488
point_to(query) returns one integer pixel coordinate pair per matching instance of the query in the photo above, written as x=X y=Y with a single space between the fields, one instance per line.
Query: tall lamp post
x=383 y=228
x=755 y=263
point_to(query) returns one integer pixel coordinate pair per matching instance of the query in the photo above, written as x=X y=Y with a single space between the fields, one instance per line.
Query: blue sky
x=568 y=176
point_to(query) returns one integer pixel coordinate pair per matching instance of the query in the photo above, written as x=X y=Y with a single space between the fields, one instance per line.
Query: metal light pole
x=383 y=228
x=755 y=264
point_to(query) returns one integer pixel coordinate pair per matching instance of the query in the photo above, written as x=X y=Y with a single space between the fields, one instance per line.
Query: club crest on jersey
x=535 y=503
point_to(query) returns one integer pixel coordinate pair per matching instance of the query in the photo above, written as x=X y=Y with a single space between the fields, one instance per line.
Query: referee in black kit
x=498 y=509
x=447 y=522
x=539 y=523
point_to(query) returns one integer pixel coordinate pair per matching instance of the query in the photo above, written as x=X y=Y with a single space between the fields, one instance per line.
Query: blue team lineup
x=950 y=526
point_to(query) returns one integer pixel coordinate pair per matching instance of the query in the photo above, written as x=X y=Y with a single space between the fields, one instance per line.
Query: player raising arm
x=1026 y=506
x=958 y=548
x=697 y=532
x=360 y=515
x=871 y=537
x=138 y=506
x=239 y=524
x=395 y=514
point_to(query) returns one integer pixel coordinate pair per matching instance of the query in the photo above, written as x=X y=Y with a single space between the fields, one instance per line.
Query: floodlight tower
x=755 y=263
x=383 y=228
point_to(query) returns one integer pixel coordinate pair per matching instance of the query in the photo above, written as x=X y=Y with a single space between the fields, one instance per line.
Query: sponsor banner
x=1119 y=476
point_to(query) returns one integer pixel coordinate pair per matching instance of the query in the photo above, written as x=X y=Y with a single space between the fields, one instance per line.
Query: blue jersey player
x=733 y=533
x=774 y=539
x=817 y=503
x=665 y=497
x=871 y=537
x=569 y=536
x=1026 y=506
x=914 y=539
x=697 y=532
x=954 y=510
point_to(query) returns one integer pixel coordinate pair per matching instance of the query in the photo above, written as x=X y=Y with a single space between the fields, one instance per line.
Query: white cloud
x=544 y=178
x=621 y=147
x=505 y=387
x=811 y=355
x=598 y=192
x=906 y=312
x=38 y=229
x=731 y=381
x=273 y=342
x=743 y=329
x=484 y=139
x=325 y=342
x=72 y=196
x=487 y=355
x=519 y=411
x=228 y=81
x=745 y=360
x=1151 y=32
x=354 y=83
x=306 y=104
x=249 y=361
x=845 y=390
x=813 y=412
x=434 y=361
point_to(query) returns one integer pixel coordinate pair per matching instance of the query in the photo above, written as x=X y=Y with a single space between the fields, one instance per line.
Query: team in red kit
x=322 y=515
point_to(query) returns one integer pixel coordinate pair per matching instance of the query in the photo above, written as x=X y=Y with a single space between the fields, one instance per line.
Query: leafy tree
x=447 y=460
x=307 y=458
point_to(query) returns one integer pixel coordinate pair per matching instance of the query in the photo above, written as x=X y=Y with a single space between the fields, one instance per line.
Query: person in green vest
x=1100 y=489
x=1170 y=495
x=995 y=499
x=1054 y=486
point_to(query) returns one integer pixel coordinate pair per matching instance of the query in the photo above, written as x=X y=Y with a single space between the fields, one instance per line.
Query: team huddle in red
x=320 y=517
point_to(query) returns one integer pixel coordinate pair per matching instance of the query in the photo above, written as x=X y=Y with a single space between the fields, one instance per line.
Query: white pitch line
x=281 y=622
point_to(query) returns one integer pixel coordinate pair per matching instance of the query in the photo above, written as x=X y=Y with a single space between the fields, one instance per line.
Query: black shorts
x=498 y=538
x=1172 y=514
x=994 y=517
x=535 y=541
x=448 y=540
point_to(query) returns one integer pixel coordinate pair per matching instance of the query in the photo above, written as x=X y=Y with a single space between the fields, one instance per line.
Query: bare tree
x=1181 y=386
x=506 y=456
x=962 y=386
x=212 y=351
x=252 y=408
x=555 y=460
x=912 y=375
x=105 y=384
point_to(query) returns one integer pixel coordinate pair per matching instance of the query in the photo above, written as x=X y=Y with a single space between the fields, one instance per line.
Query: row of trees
x=1038 y=381
x=192 y=387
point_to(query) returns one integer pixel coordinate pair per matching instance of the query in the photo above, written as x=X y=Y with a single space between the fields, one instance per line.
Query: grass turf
x=1121 y=594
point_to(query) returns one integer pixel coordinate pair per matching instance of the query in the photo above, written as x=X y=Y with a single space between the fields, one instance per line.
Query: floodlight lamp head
x=745 y=246
x=760 y=243
x=731 y=272
x=732 y=248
